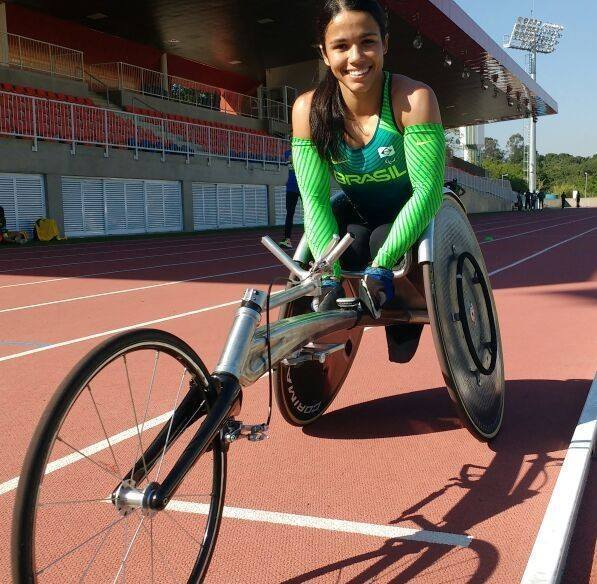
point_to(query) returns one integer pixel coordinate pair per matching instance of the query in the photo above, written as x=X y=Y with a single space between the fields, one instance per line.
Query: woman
x=381 y=137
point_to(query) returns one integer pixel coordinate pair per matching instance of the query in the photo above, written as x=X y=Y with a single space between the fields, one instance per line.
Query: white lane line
x=548 y=557
x=512 y=225
x=12 y=484
x=339 y=525
x=137 y=289
x=127 y=328
x=208 y=308
x=530 y=257
x=124 y=259
x=533 y=231
x=134 y=243
x=127 y=270
x=130 y=250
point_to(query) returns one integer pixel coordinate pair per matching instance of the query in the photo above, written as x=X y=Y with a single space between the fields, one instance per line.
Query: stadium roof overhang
x=250 y=37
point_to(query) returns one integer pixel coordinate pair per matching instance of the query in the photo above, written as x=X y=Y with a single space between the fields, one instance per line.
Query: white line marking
x=170 y=244
x=138 y=288
x=533 y=231
x=548 y=557
x=338 y=525
x=124 y=259
x=519 y=224
x=127 y=328
x=12 y=484
x=527 y=258
x=371 y=529
x=208 y=308
x=140 y=269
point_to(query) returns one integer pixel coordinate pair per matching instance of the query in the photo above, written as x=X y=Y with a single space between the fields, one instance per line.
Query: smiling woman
x=381 y=137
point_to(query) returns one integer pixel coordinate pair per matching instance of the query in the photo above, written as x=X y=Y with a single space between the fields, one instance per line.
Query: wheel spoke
x=181 y=527
x=97 y=551
x=153 y=373
x=163 y=558
x=184 y=373
x=193 y=495
x=128 y=380
x=151 y=547
x=79 y=546
x=74 y=502
x=104 y=429
x=107 y=470
x=128 y=551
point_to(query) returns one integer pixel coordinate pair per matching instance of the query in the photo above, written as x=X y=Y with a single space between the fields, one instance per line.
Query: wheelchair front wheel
x=68 y=524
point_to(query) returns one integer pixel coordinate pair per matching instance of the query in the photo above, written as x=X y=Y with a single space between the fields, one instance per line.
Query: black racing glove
x=376 y=288
x=331 y=290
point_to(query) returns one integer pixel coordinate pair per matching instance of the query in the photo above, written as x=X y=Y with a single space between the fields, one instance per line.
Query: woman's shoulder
x=301 y=111
x=413 y=99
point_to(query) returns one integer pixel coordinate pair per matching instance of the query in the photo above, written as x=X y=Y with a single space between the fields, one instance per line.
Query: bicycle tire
x=57 y=412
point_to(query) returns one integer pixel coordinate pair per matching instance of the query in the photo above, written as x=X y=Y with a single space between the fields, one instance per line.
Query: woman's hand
x=376 y=288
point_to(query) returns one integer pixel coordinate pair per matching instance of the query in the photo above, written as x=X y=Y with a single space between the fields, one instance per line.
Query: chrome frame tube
x=288 y=335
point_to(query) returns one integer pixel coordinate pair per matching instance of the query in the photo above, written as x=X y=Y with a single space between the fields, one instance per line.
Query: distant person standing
x=541 y=198
x=563 y=199
x=533 y=201
x=292 y=197
x=519 y=201
x=527 y=200
x=578 y=200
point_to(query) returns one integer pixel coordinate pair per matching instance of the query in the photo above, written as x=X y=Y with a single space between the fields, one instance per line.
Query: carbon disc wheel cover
x=305 y=391
x=461 y=305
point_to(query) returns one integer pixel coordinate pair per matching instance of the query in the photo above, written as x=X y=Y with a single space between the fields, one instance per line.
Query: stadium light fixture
x=530 y=34
x=466 y=73
x=447 y=60
x=418 y=42
x=534 y=36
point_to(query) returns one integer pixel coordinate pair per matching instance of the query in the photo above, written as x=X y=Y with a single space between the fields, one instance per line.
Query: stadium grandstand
x=164 y=116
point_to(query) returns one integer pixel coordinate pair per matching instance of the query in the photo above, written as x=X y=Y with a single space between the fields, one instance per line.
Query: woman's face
x=354 y=49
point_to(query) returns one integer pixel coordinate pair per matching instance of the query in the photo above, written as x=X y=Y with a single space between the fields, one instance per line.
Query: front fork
x=225 y=382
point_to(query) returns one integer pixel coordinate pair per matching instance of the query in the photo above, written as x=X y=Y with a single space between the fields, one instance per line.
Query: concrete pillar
x=164 y=65
x=271 y=205
x=187 y=206
x=4 y=56
x=54 y=206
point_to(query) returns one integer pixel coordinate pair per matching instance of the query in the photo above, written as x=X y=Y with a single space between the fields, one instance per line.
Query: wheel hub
x=127 y=498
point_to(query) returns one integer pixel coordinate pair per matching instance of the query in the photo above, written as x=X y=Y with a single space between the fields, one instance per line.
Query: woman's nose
x=355 y=54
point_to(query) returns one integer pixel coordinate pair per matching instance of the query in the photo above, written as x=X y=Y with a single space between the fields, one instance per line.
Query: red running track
x=389 y=452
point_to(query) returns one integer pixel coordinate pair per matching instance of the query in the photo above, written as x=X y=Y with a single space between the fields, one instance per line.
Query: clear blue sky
x=569 y=74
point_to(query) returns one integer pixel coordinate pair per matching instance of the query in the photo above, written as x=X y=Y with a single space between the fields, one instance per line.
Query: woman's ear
x=323 y=55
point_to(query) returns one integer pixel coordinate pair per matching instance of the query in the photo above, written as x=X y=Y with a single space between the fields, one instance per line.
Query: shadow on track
x=539 y=420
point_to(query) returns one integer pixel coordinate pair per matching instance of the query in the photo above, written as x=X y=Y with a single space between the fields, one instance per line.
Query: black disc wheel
x=464 y=322
x=305 y=391
x=72 y=521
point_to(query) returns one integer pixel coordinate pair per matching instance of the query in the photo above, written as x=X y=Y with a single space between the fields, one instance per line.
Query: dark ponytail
x=328 y=109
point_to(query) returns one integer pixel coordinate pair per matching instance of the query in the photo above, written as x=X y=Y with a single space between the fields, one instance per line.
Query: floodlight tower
x=534 y=36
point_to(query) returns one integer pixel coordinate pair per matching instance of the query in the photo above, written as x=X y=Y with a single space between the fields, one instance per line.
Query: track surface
x=389 y=452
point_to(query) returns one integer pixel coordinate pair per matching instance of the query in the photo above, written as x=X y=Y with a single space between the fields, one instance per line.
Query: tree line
x=556 y=173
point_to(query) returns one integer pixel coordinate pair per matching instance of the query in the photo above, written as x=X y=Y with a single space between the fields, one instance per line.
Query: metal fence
x=482 y=184
x=25 y=53
x=42 y=119
x=125 y=76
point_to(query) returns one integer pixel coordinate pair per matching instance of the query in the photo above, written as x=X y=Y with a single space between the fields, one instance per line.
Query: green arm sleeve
x=313 y=178
x=425 y=151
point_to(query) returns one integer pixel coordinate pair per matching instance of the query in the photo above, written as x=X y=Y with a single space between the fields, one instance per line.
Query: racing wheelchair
x=145 y=503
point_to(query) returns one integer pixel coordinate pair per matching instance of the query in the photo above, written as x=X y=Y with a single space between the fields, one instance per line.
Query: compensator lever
x=313 y=352
x=235 y=429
